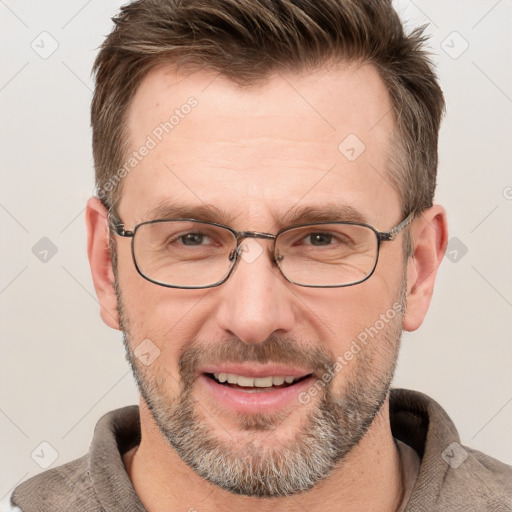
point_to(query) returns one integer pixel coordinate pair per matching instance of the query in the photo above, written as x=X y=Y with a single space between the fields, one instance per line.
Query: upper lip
x=255 y=371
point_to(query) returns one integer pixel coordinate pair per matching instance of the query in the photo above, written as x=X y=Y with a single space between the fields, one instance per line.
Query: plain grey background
x=61 y=368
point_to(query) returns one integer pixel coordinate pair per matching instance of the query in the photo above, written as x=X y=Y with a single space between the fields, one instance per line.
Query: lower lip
x=268 y=400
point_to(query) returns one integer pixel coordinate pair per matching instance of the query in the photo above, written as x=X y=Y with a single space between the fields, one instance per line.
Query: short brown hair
x=246 y=40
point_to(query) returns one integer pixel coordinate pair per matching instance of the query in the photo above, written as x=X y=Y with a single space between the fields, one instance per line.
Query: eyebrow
x=204 y=212
x=330 y=212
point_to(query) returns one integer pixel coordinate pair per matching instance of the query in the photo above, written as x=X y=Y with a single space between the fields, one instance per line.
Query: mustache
x=275 y=349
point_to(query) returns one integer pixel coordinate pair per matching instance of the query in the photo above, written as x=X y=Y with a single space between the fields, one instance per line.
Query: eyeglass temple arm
x=392 y=234
x=118 y=227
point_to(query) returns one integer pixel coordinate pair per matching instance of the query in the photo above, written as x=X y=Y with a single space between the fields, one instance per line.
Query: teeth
x=258 y=382
x=263 y=382
x=247 y=382
x=232 y=379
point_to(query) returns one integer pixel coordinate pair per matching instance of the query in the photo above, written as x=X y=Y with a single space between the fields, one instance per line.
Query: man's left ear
x=429 y=233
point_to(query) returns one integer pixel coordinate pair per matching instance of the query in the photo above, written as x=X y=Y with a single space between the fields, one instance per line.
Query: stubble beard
x=334 y=424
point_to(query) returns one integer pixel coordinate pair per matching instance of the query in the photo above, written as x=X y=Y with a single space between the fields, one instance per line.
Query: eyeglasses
x=191 y=254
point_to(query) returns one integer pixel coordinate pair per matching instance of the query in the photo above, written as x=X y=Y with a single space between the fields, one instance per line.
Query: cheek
x=160 y=316
x=159 y=320
x=156 y=334
x=367 y=358
x=153 y=310
x=340 y=315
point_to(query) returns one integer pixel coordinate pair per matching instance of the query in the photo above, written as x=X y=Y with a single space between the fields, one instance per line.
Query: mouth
x=251 y=391
x=255 y=384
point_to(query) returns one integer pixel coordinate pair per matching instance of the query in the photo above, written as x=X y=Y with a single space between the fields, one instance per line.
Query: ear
x=429 y=234
x=100 y=262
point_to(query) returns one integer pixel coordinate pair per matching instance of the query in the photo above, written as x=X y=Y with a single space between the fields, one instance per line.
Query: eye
x=195 y=238
x=324 y=239
x=318 y=239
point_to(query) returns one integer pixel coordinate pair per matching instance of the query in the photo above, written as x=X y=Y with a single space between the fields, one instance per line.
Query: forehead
x=308 y=138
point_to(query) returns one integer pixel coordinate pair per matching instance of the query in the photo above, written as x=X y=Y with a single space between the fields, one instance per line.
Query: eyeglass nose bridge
x=242 y=235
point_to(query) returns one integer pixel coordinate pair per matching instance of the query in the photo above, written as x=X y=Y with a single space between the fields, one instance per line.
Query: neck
x=369 y=478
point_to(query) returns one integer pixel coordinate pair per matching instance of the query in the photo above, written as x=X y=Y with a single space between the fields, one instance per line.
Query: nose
x=256 y=299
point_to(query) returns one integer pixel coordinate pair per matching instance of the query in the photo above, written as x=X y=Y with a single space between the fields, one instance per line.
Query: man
x=264 y=230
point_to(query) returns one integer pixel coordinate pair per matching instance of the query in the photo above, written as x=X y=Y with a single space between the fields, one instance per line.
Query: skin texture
x=258 y=153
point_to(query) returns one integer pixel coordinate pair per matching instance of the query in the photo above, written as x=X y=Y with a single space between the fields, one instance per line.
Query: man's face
x=258 y=154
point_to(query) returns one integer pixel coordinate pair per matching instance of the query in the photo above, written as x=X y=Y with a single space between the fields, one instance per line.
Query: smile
x=250 y=383
x=248 y=394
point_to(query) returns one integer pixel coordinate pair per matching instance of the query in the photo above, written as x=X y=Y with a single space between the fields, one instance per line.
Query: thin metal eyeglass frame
x=382 y=236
